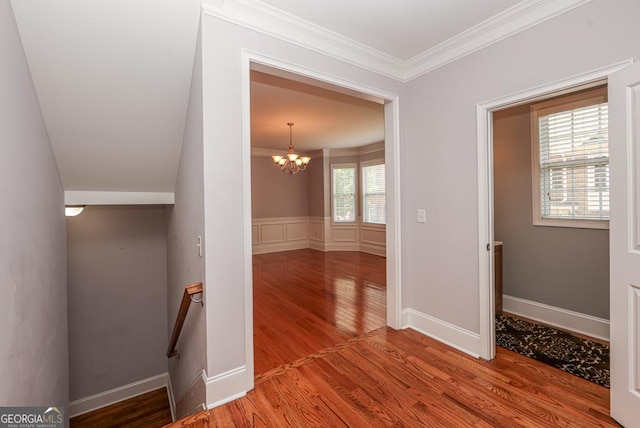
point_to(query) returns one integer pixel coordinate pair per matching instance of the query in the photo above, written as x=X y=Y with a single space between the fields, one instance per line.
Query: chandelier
x=291 y=163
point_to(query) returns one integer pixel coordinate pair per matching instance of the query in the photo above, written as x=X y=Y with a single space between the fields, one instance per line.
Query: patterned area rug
x=580 y=357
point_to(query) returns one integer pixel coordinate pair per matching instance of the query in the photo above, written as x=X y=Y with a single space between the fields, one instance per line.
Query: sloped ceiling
x=113 y=76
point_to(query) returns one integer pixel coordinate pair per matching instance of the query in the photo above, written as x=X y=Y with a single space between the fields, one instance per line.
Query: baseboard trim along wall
x=456 y=337
x=112 y=396
x=557 y=317
x=226 y=386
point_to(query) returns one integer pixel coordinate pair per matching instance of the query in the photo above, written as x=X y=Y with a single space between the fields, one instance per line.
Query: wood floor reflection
x=306 y=300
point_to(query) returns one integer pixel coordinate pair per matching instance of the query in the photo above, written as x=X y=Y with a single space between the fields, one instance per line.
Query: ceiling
x=323 y=119
x=113 y=77
x=401 y=29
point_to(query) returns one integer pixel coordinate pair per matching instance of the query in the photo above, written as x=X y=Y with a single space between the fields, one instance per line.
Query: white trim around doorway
x=392 y=161
x=485 y=186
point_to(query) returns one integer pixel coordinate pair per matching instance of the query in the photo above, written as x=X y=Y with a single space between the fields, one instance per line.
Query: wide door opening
x=318 y=227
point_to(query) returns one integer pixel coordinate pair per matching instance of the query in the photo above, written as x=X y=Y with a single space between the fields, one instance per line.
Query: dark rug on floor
x=580 y=357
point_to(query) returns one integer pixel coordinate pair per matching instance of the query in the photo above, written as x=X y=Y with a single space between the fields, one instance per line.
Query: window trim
x=363 y=165
x=544 y=108
x=355 y=194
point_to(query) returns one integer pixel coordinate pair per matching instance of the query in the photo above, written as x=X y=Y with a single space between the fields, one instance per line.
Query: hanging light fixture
x=291 y=163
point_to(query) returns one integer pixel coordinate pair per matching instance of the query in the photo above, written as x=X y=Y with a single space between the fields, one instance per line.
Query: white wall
x=439 y=159
x=33 y=307
x=184 y=264
x=117 y=279
x=223 y=94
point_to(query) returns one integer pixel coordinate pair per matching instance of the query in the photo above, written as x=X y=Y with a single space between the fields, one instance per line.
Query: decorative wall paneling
x=271 y=235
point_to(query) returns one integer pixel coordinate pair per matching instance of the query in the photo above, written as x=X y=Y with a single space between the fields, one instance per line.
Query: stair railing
x=187 y=298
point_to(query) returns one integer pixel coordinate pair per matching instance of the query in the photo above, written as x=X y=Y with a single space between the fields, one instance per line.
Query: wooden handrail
x=189 y=291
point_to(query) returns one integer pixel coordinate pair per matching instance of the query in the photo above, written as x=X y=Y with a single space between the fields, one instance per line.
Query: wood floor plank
x=330 y=362
x=146 y=410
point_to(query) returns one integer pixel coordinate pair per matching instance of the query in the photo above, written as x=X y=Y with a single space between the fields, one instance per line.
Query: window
x=373 y=193
x=571 y=161
x=343 y=189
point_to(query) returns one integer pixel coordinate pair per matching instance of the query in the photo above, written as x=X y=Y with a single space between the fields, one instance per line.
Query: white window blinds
x=373 y=194
x=574 y=163
x=343 y=184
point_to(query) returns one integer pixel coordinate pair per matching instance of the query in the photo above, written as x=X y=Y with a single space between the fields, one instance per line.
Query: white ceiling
x=401 y=29
x=113 y=76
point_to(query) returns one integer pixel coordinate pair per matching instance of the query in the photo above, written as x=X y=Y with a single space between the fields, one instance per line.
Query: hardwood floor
x=146 y=410
x=307 y=300
x=322 y=361
x=403 y=378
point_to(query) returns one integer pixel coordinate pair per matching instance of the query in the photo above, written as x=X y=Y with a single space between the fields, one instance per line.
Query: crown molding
x=512 y=21
x=271 y=21
x=268 y=20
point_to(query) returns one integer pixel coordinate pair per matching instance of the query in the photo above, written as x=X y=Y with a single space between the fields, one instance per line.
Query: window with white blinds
x=343 y=189
x=373 y=193
x=572 y=162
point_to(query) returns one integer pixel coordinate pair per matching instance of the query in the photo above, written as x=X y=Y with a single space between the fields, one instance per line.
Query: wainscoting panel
x=345 y=234
x=297 y=231
x=373 y=236
x=316 y=229
x=271 y=233
x=280 y=234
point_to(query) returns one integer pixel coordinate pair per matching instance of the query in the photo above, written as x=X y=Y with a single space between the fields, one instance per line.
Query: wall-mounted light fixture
x=73 y=210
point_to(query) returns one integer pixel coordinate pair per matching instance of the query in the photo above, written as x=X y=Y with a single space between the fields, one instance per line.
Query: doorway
x=391 y=144
x=486 y=187
x=551 y=210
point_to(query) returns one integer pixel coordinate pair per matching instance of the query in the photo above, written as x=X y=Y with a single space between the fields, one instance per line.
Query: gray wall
x=33 y=307
x=439 y=126
x=316 y=185
x=563 y=267
x=275 y=194
x=185 y=222
x=117 y=278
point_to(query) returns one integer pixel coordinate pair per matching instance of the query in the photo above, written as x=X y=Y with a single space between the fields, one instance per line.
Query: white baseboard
x=172 y=399
x=342 y=246
x=375 y=249
x=454 y=336
x=317 y=245
x=276 y=248
x=557 y=317
x=226 y=386
x=107 y=398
